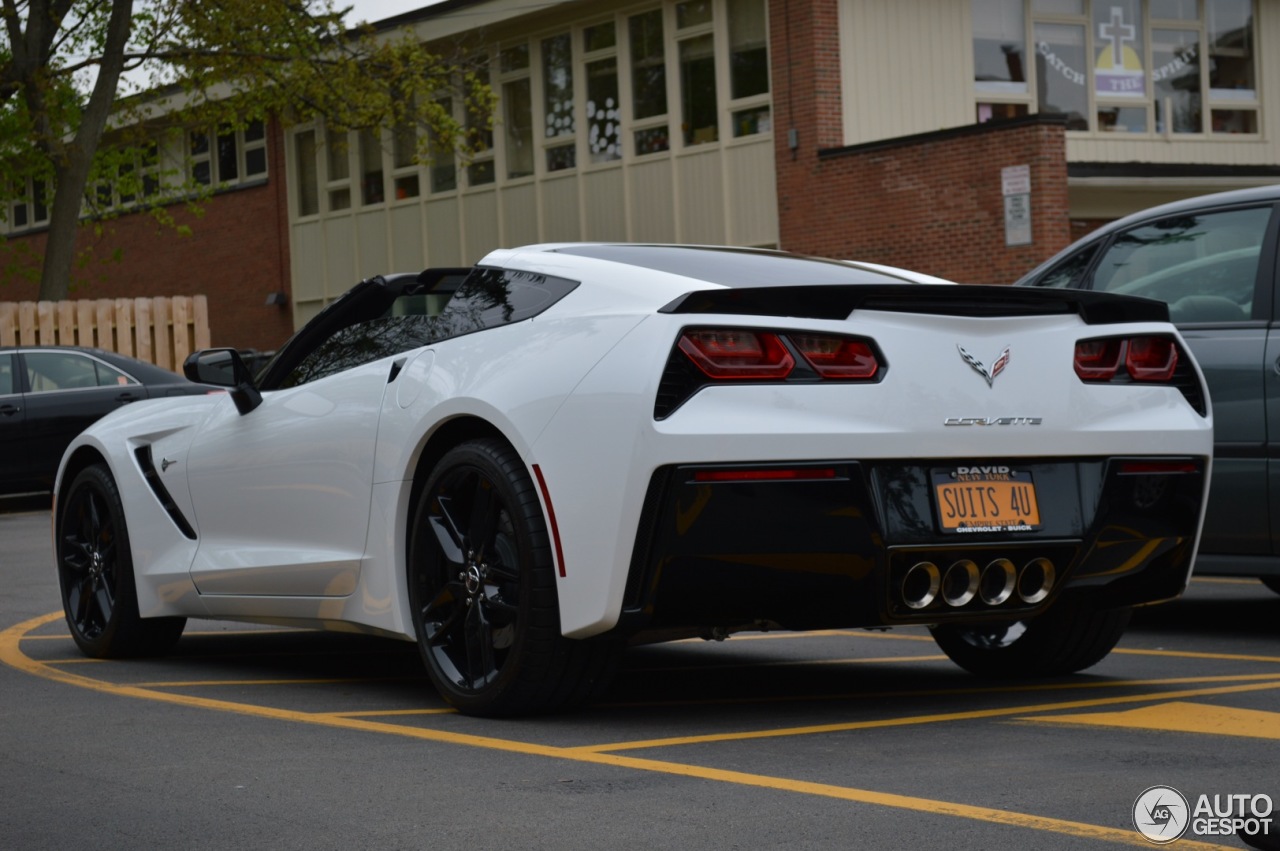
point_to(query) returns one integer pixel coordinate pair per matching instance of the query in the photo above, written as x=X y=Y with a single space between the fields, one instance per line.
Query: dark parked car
x=1213 y=260
x=49 y=394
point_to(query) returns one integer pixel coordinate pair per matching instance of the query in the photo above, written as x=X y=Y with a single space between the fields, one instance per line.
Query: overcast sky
x=376 y=10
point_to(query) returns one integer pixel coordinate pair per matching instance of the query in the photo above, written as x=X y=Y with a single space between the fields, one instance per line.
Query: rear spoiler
x=839 y=301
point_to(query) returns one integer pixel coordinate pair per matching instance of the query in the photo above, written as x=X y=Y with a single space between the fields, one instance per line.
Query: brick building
x=968 y=139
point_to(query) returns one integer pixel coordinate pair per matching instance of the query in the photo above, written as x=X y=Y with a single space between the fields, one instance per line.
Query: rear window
x=487 y=298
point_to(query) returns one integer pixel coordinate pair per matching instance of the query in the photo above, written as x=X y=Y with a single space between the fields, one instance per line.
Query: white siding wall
x=905 y=67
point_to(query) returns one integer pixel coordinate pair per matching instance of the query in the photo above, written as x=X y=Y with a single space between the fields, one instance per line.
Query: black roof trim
x=838 y=302
x=1047 y=118
x=1155 y=170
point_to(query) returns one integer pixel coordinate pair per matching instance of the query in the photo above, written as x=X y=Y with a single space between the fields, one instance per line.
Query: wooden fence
x=161 y=330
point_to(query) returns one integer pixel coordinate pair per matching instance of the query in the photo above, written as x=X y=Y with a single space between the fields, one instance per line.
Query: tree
x=87 y=86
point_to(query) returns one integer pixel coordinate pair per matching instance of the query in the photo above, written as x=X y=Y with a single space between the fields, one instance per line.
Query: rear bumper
x=847 y=543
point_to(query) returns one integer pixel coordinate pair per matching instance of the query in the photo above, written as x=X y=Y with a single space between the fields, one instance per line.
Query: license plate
x=986 y=499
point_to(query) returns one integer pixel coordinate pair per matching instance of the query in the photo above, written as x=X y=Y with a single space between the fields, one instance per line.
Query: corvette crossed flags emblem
x=989 y=373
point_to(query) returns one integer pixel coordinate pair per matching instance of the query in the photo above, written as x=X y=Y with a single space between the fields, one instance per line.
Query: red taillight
x=837 y=357
x=1098 y=360
x=737 y=354
x=1151 y=358
x=1144 y=358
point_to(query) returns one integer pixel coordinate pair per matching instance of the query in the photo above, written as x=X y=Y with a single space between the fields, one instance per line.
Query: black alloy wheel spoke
x=92 y=521
x=79 y=599
x=440 y=616
x=479 y=641
x=484 y=509
x=75 y=553
x=447 y=534
x=104 y=602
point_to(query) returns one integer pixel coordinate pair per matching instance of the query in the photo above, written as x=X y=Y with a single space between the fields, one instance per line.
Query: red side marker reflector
x=551 y=517
x=1144 y=468
x=765 y=475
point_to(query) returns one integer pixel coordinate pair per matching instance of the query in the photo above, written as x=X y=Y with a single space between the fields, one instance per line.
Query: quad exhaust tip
x=993 y=585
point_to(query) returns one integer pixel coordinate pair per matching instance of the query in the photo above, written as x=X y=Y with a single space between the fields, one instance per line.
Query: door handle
x=10 y=410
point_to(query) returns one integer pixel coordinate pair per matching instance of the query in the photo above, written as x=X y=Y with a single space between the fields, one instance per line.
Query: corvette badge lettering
x=997 y=367
x=992 y=421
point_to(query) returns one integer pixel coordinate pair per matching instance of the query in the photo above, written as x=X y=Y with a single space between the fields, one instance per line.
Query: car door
x=13 y=458
x=282 y=493
x=66 y=391
x=1215 y=269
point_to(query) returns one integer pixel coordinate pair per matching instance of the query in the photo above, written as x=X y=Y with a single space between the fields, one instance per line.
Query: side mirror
x=224 y=368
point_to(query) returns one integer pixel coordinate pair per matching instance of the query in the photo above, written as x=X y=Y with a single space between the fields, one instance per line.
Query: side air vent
x=149 y=472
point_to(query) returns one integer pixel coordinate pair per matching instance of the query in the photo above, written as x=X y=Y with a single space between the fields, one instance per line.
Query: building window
x=137 y=175
x=1163 y=67
x=229 y=156
x=338 y=170
x=699 y=106
x=699 y=109
x=443 y=171
x=517 y=110
x=404 y=160
x=557 y=101
x=304 y=154
x=29 y=208
x=479 y=136
x=648 y=82
x=604 y=107
x=749 y=67
x=999 y=47
x=373 y=187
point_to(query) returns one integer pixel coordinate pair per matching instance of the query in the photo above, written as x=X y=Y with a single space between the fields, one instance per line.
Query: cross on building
x=1117 y=32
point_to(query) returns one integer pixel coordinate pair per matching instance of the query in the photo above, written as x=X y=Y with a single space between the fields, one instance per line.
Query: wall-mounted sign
x=1015 y=186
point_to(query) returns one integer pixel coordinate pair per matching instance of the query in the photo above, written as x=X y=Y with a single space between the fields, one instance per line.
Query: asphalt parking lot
x=261 y=737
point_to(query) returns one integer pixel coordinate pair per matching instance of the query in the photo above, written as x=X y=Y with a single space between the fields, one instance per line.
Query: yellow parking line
x=379 y=713
x=1180 y=717
x=10 y=654
x=1189 y=654
x=276 y=682
x=1272 y=682
x=785 y=663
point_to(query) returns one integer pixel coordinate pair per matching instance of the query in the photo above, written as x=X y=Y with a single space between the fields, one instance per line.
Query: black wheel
x=1272 y=582
x=482 y=591
x=1063 y=640
x=95 y=572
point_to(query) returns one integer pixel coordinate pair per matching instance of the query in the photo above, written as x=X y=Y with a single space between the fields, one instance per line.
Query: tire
x=483 y=596
x=1063 y=640
x=95 y=573
x=1272 y=582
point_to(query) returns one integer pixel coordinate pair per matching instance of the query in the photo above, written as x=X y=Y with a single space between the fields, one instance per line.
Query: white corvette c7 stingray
x=525 y=465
